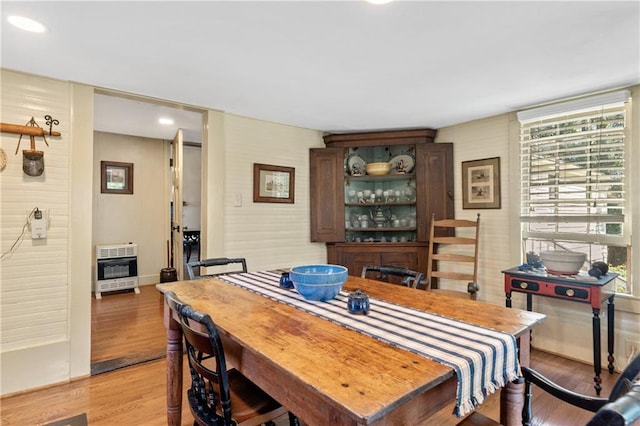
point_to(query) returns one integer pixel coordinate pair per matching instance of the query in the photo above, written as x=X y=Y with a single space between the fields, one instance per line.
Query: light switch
x=233 y=199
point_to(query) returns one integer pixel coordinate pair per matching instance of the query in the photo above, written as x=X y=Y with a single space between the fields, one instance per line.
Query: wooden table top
x=336 y=375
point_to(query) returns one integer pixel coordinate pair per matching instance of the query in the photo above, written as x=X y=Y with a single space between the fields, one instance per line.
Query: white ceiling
x=336 y=66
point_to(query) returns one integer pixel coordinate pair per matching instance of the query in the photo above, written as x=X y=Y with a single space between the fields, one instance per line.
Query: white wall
x=40 y=316
x=268 y=235
x=477 y=140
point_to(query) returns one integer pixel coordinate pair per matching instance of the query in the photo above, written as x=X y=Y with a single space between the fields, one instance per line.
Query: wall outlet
x=629 y=346
x=39 y=224
x=38 y=229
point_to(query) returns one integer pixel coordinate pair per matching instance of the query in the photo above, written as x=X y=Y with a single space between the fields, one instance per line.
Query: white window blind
x=572 y=159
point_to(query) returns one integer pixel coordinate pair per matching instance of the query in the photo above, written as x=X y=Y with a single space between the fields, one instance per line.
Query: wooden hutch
x=379 y=219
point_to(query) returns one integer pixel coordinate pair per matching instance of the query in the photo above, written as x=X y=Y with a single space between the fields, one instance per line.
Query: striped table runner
x=484 y=360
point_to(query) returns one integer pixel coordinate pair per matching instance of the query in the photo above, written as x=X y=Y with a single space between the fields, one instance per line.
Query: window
x=573 y=181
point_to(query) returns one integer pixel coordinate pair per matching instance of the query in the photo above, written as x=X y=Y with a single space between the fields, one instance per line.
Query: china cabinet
x=379 y=216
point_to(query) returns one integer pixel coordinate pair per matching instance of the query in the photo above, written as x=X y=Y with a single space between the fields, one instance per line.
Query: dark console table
x=580 y=288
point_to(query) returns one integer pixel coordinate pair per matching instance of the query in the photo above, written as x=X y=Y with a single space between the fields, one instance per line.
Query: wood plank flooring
x=126 y=328
x=136 y=394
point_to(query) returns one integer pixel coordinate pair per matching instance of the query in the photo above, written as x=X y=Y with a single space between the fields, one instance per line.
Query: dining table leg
x=174 y=368
x=512 y=395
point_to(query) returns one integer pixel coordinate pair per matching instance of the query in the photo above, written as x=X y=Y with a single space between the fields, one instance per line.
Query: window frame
x=631 y=176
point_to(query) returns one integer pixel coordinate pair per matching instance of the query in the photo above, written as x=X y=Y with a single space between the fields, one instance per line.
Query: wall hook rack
x=32 y=159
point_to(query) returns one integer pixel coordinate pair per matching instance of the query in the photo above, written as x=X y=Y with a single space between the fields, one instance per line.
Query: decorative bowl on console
x=563 y=262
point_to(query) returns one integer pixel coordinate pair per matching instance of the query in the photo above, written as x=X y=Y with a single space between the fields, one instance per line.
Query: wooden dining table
x=327 y=374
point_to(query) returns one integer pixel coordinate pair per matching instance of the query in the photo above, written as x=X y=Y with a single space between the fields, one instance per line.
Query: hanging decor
x=32 y=159
x=481 y=184
x=3 y=159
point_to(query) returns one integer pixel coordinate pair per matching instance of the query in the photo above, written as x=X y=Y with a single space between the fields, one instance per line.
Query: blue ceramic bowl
x=318 y=282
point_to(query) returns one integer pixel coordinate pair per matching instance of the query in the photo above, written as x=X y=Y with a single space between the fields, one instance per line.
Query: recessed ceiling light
x=165 y=121
x=379 y=1
x=26 y=24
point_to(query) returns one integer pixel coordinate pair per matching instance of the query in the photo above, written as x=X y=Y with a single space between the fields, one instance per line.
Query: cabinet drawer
x=407 y=260
x=525 y=285
x=574 y=293
x=355 y=261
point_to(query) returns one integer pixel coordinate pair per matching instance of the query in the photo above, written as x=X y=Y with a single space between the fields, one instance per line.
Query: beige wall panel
x=34 y=367
x=80 y=218
x=213 y=185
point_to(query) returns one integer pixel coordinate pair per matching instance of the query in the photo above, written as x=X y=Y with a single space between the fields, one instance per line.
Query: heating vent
x=116 y=268
x=117 y=284
x=121 y=250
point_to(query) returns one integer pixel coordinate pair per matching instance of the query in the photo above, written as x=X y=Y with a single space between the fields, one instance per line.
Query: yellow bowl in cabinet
x=377 y=169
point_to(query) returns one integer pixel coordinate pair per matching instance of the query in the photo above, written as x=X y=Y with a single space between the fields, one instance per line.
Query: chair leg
x=293 y=420
x=472 y=289
x=527 y=412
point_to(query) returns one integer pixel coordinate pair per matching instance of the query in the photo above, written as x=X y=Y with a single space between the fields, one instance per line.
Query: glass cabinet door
x=380 y=194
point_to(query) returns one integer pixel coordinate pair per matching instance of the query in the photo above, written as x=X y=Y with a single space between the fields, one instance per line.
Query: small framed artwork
x=273 y=184
x=117 y=178
x=481 y=184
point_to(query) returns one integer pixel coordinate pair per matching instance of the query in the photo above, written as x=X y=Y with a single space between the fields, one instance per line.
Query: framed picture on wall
x=481 y=184
x=117 y=178
x=273 y=184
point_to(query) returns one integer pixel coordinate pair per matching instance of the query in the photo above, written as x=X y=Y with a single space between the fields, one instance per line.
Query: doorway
x=127 y=129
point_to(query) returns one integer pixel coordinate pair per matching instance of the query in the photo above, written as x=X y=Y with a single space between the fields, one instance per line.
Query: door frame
x=177 y=235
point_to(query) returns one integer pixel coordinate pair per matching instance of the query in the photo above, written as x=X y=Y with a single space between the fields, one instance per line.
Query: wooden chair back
x=209 y=383
x=403 y=276
x=206 y=263
x=218 y=396
x=447 y=246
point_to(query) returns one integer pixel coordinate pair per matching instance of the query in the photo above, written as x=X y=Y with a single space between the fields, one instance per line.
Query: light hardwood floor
x=126 y=329
x=135 y=395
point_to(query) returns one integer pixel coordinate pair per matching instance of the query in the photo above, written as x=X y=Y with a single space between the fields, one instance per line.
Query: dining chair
x=219 y=261
x=405 y=276
x=621 y=408
x=453 y=254
x=217 y=395
x=190 y=239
